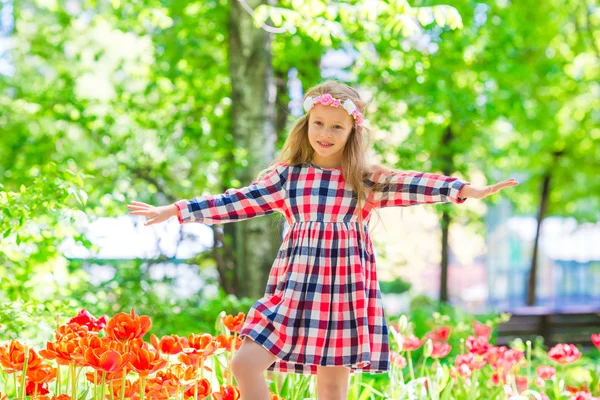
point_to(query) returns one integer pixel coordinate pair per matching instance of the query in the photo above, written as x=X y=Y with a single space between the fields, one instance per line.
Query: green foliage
x=396 y=286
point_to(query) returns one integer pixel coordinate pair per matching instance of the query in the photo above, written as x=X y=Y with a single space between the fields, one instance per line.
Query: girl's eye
x=338 y=127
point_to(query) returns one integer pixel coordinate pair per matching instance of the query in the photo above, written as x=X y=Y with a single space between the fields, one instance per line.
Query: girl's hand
x=157 y=214
x=481 y=192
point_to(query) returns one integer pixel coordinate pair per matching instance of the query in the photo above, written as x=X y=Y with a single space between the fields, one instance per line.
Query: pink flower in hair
x=326 y=99
x=359 y=119
x=336 y=103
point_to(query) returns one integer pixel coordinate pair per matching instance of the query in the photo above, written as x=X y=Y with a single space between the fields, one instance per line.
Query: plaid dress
x=322 y=302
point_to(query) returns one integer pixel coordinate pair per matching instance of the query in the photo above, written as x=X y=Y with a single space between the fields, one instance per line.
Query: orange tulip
x=124 y=327
x=184 y=374
x=3 y=396
x=109 y=361
x=131 y=389
x=109 y=377
x=234 y=324
x=43 y=374
x=276 y=397
x=203 y=344
x=164 y=382
x=204 y=389
x=146 y=362
x=59 y=397
x=225 y=342
x=12 y=357
x=70 y=330
x=171 y=344
x=61 y=351
x=193 y=360
x=87 y=342
x=227 y=393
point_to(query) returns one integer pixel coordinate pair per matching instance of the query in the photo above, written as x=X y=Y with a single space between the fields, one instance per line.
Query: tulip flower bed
x=108 y=359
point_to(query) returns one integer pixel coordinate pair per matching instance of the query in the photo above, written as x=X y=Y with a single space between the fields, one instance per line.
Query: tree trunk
x=447 y=159
x=444 y=267
x=254 y=242
x=531 y=285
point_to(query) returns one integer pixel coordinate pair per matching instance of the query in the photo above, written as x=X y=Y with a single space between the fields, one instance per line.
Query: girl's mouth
x=325 y=144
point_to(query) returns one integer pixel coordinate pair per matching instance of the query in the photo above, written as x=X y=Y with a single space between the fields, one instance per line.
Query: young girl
x=322 y=311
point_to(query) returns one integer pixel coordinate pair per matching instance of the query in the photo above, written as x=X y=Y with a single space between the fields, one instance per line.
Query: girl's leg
x=332 y=383
x=248 y=366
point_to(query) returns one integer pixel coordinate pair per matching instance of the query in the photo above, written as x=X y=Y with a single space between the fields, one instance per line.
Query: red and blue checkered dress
x=322 y=303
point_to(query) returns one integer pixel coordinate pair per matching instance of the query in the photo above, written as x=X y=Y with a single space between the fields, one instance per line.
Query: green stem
x=24 y=373
x=123 y=383
x=142 y=388
x=102 y=387
x=95 y=384
x=410 y=365
x=112 y=390
x=528 y=363
x=74 y=382
x=57 y=387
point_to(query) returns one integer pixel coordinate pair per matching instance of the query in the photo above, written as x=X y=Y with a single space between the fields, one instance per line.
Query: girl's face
x=328 y=131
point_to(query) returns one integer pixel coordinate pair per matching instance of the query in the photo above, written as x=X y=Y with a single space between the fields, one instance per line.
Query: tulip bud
x=428 y=348
x=403 y=324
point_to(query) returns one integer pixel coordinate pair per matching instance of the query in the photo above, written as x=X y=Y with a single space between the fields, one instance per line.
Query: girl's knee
x=240 y=366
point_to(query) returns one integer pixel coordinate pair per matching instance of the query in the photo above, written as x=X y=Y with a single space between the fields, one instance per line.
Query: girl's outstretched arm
x=264 y=196
x=413 y=187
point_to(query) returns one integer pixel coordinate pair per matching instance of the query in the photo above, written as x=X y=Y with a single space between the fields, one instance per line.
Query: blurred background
x=105 y=102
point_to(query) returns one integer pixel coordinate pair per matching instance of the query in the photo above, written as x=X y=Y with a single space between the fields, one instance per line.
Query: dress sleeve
x=413 y=187
x=263 y=197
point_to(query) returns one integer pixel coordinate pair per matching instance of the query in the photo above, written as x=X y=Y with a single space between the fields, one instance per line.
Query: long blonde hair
x=355 y=166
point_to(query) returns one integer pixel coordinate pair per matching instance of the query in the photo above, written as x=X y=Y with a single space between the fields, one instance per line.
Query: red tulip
x=596 y=340
x=227 y=393
x=521 y=382
x=440 y=350
x=582 y=396
x=546 y=373
x=30 y=388
x=84 y=318
x=412 y=343
x=470 y=360
x=397 y=359
x=481 y=330
x=478 y=345
x=440 y=333
x=564 y=353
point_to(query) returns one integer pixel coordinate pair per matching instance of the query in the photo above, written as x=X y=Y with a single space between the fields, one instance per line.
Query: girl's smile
x=328 y=131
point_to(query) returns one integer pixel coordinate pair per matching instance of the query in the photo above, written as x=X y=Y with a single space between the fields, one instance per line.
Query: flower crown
x=327 y=100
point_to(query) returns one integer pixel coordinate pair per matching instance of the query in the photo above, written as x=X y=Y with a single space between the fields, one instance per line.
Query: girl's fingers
x=139 y=203
x=137 y=207
x=138 y=213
